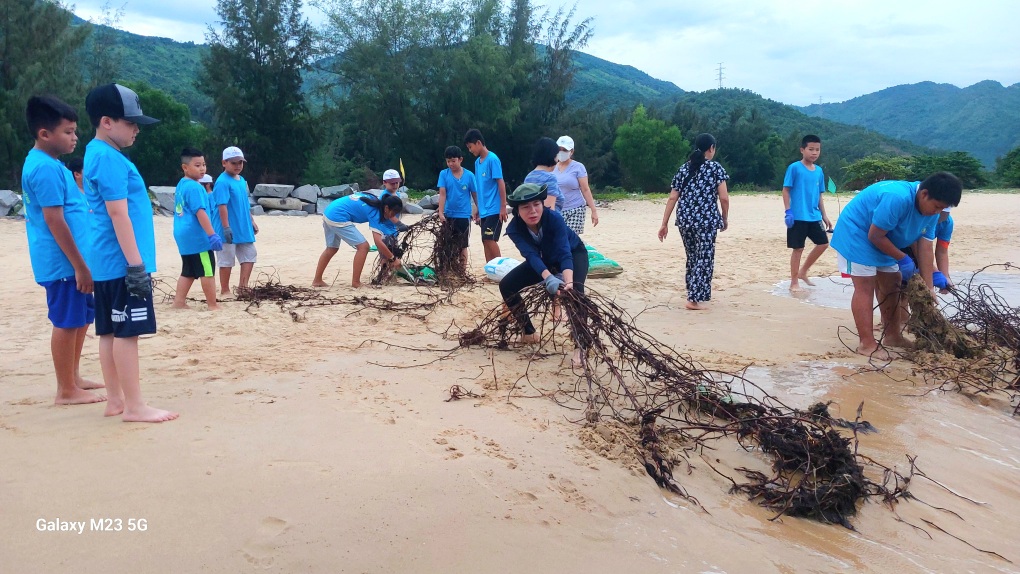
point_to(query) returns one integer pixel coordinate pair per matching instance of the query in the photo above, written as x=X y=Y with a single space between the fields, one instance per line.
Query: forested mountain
x=983 y=119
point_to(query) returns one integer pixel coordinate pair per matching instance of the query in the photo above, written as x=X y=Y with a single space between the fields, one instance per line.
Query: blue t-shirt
x=234 y=194
x=458 y=192
x=351 y=209
x=888 y=205
x=110 y=176
x=189 y=198
x=487 y=174
x=806 y=187
x=549 y=179
x=45 y=182
x=944 y=229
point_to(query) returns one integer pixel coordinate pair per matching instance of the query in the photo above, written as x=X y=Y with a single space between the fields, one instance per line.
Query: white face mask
x=563 y=156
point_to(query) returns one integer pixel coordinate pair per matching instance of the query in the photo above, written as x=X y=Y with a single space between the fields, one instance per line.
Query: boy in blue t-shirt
x=56 y=221
x=803 y=189
x=458 y=198
x=871 y=235
x=943 y=235
x=491 y=211
x=233 y=220
x=193 y=231
x=338 y=221
x=123 y=250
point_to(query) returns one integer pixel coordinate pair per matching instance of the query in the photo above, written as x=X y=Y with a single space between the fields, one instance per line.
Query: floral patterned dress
x=698 y=219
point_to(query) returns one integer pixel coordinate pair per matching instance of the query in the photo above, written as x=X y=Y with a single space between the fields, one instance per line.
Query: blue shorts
x=69 y=308
x=349 y=234
x=492 y=227
x=120 y=314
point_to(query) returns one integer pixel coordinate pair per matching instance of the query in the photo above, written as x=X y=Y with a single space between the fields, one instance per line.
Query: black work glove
x=138 y=282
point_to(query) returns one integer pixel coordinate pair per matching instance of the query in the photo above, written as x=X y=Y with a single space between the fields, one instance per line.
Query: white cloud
x=788 y=50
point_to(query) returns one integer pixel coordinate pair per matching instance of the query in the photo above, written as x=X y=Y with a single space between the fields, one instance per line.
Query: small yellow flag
x=402 y=174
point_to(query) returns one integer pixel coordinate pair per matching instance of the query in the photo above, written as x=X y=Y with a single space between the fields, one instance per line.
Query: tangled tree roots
x=972 y=344
x=627 y=375
x=268 y=289
x=430 y=243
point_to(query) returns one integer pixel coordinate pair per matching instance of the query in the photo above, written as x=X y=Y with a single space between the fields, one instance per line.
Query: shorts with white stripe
x=121 y=314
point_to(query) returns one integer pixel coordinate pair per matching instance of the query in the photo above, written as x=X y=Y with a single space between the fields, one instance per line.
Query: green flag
x=831 y=188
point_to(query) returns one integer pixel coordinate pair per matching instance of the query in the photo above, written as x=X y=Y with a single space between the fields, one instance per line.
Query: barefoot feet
x=695 y=306
x=148 y=414
x=530 y=339
x=804 y=278
x=87 y=384
x=78 y=397
x=873 y=352
x=320 y=284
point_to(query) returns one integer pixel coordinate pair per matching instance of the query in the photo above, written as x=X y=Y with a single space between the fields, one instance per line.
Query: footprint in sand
x=260 y=551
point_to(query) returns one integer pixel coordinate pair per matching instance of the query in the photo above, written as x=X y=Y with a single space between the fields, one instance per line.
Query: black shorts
x=198 y=265
x=461 y=230
x=492 y=227
x=802 y=230
x=120 y=314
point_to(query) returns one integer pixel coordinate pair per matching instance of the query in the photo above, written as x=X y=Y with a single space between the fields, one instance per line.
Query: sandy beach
x=314 y=446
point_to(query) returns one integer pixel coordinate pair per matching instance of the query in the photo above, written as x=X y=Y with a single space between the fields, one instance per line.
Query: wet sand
x=300 y=449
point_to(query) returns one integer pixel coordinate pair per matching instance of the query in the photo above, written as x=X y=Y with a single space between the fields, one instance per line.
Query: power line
x=721 y=77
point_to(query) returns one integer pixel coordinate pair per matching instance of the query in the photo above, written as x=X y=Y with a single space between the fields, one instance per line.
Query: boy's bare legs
x=360 y=256
x=225 y=280
x=63 y=344
x=795 y=270
x=245 y=273
x=79 y=344
x=209 y=288
x=181 y=295
x=861 y=305
x=813 y=256
x=491 y=249
x=119 y=359
x=889 y=303
x=320 y=268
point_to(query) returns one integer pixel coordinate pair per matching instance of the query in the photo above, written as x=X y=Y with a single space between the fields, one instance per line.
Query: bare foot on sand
x=530 y=339
x=88 y=385
x=181 y=306
x=876 y=352
x=227 y=291
x=796 y=288
x=896 y=341
x=149 y=414
x=113 y=408
x=320 y=284
x=356 y=285
x=78 y=397
x=576 y=361
x=695 y=306
x=214 y=307
x=803 y=277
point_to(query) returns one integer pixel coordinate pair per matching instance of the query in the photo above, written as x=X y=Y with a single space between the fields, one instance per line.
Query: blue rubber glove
x=215 y=243
x=137 y=282
x=907 y=267
x=939 y=280
x=788 y=218
x=402 y=227
x=228 y=235
x=552 y=284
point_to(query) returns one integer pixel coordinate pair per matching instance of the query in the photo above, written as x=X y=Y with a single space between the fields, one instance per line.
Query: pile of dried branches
x=677 y=407
x=430 y=243
x=268 y=289
x=970 y=345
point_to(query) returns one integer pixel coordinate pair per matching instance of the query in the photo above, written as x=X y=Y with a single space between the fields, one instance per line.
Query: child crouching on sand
x=338 y=225
x=870 y=237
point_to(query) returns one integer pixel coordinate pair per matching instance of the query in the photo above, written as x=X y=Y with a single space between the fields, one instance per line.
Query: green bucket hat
x=528 y=192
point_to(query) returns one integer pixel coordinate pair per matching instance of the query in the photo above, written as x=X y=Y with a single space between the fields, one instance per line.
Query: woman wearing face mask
x=554 y=255
x=573 y=181
x=702 y=211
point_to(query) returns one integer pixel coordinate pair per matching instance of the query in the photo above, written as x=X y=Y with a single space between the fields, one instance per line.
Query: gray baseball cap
x=117 y=102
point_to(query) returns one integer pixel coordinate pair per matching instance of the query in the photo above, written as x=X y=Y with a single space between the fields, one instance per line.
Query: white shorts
x=242 y=252
x=849 y=269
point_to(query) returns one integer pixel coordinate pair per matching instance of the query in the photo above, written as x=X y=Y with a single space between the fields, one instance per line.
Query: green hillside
x=601 y=83
x=983 y=119
x=785 y=120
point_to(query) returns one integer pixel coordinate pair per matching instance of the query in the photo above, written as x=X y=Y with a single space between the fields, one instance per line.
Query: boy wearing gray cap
x=123 y=252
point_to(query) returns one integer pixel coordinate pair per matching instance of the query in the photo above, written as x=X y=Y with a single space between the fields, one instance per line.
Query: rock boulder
x=285 y=203
x=272 y=190
x=306 y=193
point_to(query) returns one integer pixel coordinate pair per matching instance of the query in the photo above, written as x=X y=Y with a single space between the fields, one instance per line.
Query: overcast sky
x=794 y=51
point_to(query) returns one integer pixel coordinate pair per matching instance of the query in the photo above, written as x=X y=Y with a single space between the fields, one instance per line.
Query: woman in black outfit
x=553 y=254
